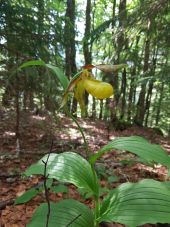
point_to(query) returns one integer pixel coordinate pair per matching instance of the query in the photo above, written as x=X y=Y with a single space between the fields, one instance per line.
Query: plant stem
x=45 y=185
x=81 y=131
x=97 y=210
x=96 y=197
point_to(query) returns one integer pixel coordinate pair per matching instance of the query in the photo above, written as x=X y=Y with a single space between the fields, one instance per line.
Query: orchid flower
x=85 y=81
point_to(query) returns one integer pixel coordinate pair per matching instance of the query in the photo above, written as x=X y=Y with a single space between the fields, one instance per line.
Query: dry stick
x=45 y=184
x=5 y=203
x=73 y=220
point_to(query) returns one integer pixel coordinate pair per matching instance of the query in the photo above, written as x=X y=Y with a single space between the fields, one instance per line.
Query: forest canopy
x=70 y=34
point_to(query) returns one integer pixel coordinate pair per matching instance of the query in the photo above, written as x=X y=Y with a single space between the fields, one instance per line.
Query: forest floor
x=36 y=134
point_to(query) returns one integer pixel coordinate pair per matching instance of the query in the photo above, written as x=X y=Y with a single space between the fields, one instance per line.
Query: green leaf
x=103 y=190
x=57 y=71
x=84 y=193
x=60 y=75
x=136 y=145
x=31 y=193
x=101 y=170
x=168 y=173
x=27 y=196
x=60 y=188
x=112 y=179
x=67 y=167
x=135 y=204
x=64 y=213
x=32 y=63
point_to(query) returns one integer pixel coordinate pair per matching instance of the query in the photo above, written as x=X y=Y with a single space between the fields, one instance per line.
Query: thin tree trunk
x=148 y=102
x=159 y=104
x=131 y=93
x=40 y=27
x=101 y=109
x=151 y=84
x=17 y=133
x=139 y=118
x=31 y=100
x=123 y=91
x=94 y=108
x=70 y=49
x=106 y=112
x=87 y=45
x=25 y=95
x=120 y=43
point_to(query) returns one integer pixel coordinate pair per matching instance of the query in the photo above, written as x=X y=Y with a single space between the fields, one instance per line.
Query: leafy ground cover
x=36 y=134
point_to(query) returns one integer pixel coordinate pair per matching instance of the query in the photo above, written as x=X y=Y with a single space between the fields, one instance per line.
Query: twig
x=73 y=220
x=45 y=185
x=5 y=203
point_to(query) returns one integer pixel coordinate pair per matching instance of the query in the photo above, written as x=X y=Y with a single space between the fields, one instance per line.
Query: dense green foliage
x=116 y=32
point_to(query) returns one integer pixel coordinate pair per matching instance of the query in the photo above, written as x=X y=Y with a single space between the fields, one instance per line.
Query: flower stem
x=81 y=131
x=97 y=210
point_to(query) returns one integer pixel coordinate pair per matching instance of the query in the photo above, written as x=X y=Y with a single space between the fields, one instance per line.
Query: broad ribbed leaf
x=59 y=188
x=67 y=167
x=29 y=194
x=32 y=63
x=135 y=204
x=57 y=71
x=64 y=213
x=136 y=145
x=60 y=75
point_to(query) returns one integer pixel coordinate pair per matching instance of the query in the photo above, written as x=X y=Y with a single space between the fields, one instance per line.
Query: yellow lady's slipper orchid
x=79 y=92
x=86 y=82
x=98 y=89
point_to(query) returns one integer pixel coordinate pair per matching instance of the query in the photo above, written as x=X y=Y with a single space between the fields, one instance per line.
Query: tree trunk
x=17 y=105
x=139 y=118
x=94 y=108
x=70 y=50
x=120 y=43
x=150 y=87
x=131 y=93
x=69 y=30
x=159 y=104
x=148 y=102
x=123 y=91
x=87 y=46
x=31 y=100
x=40 y=28
x=101 y=109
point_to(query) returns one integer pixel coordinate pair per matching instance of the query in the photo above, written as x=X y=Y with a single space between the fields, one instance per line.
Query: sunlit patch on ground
x=8 y=133
x=37 y=117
